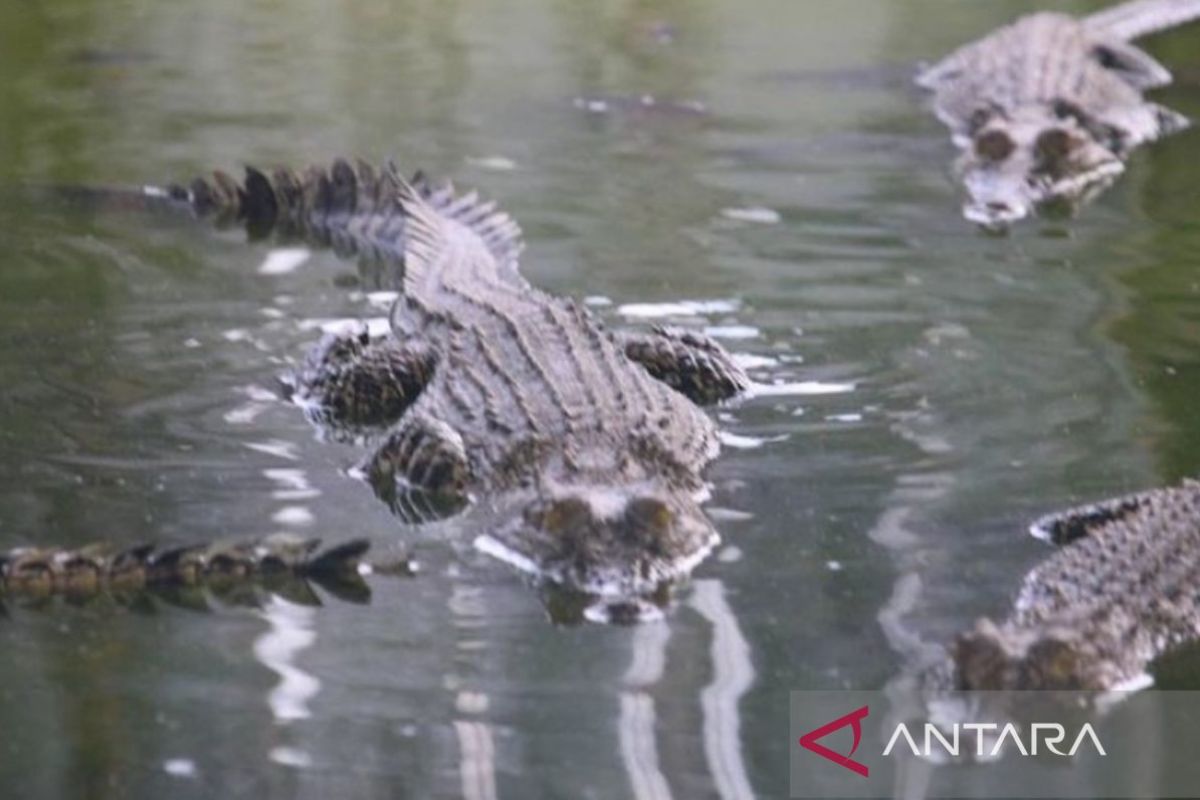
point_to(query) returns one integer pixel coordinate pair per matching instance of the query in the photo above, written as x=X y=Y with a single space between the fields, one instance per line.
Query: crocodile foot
x=351 y=383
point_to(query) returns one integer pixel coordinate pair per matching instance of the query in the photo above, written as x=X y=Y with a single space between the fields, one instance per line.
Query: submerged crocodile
x=283 y=564
x=1047 y=109
x=1123 y=590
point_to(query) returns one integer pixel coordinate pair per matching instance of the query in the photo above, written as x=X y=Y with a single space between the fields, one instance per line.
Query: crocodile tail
x=103 y=569
x=356 y=210
x=1132 y=20
x=351 y=208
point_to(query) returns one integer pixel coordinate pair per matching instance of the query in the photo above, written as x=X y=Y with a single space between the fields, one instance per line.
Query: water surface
x=765 y=167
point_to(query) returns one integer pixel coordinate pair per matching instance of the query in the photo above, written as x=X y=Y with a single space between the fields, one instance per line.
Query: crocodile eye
x=565 y=515
x=649 y=514
x=994 y=145
x=1053 y=145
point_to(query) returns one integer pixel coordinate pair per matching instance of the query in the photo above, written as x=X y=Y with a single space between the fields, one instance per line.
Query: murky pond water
x=786 y=178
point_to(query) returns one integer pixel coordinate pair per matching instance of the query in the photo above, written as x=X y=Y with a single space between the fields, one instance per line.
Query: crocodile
x=281 y=563
x=583 y=446
x=1122 y=590
x=1046 y=110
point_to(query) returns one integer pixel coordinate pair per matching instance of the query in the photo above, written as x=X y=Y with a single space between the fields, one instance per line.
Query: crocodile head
x=1014 y=163
x=617 y=542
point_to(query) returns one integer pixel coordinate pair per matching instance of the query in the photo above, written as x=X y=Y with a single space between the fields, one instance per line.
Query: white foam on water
x=290 y=757
x=293 y=495
x=723 y=514
x=288 y=478
x=753 y=361
x=1120 y=692
x=382 y=299
x=277 y=448
x=260 y=394
x=591 y=105
x=748 y=442
x=760 y=215
x=293 y=485
x=347 y=326
x=490 y=546
x=283 y=260
x=732 y=331
x=180 y=767
x=244 y=414
x=293 y=515
x=797 y=388
x=730 y=554
x=493 y=163
x=679 y=308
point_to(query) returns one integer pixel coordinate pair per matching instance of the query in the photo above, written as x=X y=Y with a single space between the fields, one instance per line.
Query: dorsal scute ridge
x=428 y=209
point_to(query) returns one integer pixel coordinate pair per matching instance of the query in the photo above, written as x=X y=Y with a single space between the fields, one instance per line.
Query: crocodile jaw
x=616 y=543
x=997 y=199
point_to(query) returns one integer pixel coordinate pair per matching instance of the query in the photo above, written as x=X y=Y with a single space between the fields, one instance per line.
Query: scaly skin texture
x=586 y=448
x=583 y=446
x=1123 y=590
x=281 y=563
x=1047 y=109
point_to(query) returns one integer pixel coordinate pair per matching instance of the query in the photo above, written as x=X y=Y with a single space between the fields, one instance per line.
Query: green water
x=990 y=379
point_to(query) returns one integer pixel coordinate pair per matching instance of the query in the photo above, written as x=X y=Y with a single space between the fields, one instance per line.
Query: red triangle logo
x=854 y=719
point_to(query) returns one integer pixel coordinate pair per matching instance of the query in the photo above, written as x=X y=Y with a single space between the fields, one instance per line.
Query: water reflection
x=733 y=675
x=636 y=724
x=291 y=632
x=477 y=750
x=136 y=357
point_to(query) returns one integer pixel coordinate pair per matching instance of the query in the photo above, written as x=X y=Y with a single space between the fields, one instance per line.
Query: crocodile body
x=1123 y=590
x=1047 y=109
x=585 y=447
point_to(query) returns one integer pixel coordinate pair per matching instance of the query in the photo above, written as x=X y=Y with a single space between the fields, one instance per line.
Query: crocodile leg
x=420 y=469
x=351 y=384
x=691 y=363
